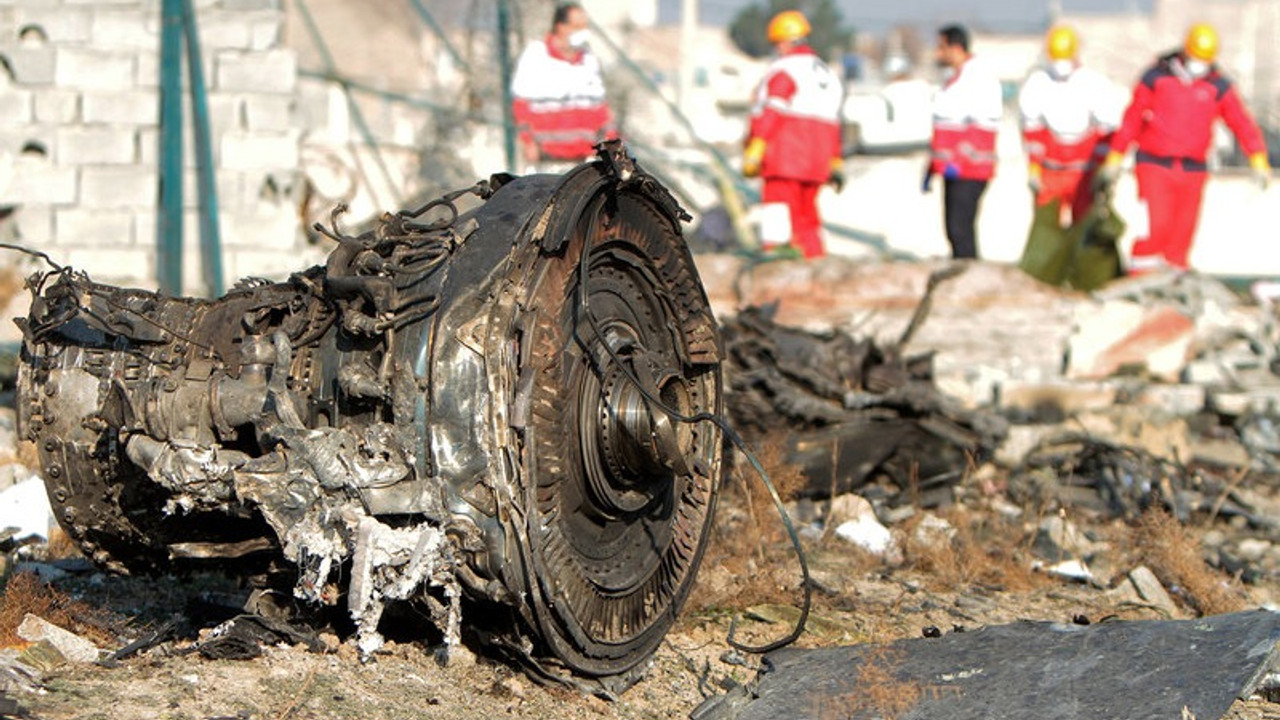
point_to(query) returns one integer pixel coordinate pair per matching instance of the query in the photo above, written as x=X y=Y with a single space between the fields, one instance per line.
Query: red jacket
x=966 y=116
x=1171 y=114
x=797 y=114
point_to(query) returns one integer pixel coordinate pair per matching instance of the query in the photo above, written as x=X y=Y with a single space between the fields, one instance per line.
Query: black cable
x=737 y=440
x=33 y=253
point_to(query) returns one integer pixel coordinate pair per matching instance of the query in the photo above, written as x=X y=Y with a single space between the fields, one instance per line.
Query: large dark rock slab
x=1136 y=670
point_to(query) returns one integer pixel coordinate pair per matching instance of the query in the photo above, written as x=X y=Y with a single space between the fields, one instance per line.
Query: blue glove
x=926 y=183
x=951 y=171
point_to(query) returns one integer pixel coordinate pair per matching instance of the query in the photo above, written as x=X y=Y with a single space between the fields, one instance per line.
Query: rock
x=1059 y=539
x=868 y=534
x=1151 y=591
x=1253 y=549
x=1181 y=400
x=933 y=530
x=1217 y=451
x=1075 y=570
x=1021 y=440
x=1056 y=400
x=72 y=647
x=1127 y=337
x=25 y=506
x=855 y=523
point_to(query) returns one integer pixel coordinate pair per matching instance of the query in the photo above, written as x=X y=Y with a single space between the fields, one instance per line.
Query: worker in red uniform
x=794 y=137
x=966 y=115
x=559 y=99
x=1171 y=119
x=1069 y=113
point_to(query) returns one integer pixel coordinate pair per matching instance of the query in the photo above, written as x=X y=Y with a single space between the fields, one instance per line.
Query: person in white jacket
x=559 y=100
x=1068 y=113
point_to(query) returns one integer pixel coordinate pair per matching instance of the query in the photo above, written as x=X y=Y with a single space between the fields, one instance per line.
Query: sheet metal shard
x=498 y=405
x=1137 y=670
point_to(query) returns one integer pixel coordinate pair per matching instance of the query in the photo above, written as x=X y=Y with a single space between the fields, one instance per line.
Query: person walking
x=1068 y=115
x=1170 y=118
x=966 y=116
x=793 y=141
x=559 y=101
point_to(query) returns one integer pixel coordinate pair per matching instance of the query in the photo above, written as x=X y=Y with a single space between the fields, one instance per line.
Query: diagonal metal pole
x=330 y=68
x=210 y=237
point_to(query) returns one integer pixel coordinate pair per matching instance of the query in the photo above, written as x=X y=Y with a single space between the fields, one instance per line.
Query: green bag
x=1049 y=248
x=1095 y=238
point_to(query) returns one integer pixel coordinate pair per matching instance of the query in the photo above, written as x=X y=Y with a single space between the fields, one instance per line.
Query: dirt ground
x=982 y=576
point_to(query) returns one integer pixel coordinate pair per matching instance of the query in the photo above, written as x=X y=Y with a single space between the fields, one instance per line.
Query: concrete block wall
x=79 y=136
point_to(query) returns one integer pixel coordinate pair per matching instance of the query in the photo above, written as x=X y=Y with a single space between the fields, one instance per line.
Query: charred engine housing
x=500 y=404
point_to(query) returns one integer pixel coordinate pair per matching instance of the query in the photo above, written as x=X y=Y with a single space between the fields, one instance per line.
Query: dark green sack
x=1049 y=249
x=1095 y=237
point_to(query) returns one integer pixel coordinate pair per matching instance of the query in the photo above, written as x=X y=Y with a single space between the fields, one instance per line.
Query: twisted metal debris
x=484 y=407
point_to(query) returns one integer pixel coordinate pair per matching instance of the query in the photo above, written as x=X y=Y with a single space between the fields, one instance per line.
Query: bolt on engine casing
x=512 y=405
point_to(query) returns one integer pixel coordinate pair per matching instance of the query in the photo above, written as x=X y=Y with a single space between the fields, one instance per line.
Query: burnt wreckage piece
x=443 y=410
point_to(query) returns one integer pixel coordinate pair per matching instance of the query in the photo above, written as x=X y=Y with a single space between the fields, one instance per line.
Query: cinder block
x=101 y=2
x=260 y=151
x=118 y=187
x=239 y=5
x=226 y=114
x=57 y=106
x=32 y=66
x=96 y=145
x=16 y=107
x=132 y=267
x=125 y=29
x=61 y=24
x=273 y=71
x=129 y=107
x=277 y=265
x=226 y=185
x=270 y=113
x=37 y=181
x=147 y=70
x=94 y=69
x=224 y=32
x=81 y=228
x=149 y=148
x=265 y=30
x=35 y=225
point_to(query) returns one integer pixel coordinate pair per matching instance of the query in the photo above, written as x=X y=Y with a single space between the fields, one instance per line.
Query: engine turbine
x=507 y=405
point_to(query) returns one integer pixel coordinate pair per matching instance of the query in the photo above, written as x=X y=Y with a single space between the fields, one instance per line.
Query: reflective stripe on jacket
x=966 y=115
x=559 y=102
x=1067 y=121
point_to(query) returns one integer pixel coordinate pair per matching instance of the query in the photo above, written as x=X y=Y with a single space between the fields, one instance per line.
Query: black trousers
x=960 y=205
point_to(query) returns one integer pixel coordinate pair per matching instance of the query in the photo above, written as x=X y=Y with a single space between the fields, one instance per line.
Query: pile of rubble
x=916 y=385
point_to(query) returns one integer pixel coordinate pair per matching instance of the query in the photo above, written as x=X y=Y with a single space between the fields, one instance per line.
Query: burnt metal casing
x=444 y=410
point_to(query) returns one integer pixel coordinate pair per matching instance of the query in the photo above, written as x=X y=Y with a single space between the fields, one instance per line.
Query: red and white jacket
x=797 y=113
x=1171 y=116
x=966 y=115
x=1067 y=121
x=559 y=101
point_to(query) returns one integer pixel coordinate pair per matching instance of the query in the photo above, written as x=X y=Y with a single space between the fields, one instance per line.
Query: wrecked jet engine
x=498 y=406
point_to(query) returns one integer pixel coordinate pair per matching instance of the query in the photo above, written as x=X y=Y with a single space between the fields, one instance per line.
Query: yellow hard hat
x=788 y=25
x=1062 y=43
x=1202 y=42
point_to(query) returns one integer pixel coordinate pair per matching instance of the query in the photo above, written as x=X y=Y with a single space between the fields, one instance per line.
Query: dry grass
x=879 y=691
x=982 y=551
x=24 y=593
x=748 y=546
x=1173 y=553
